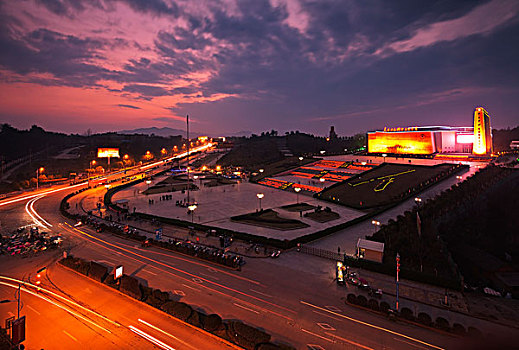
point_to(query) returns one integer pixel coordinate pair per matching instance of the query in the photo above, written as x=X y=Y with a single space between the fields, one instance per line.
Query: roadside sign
x=118 y=272
x=339 y=272
x=18 y=330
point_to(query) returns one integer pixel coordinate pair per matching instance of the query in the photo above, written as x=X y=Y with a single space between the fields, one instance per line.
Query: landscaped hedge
x=248 y=337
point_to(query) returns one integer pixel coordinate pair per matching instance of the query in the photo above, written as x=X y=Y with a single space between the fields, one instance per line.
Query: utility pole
x=188 y=150
x=397 y=280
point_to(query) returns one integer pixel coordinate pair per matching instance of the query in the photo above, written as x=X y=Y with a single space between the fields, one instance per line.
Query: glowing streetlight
x=38 y=172
x=301 y=158
x=322 y=152
x=297 y=189
x=384 y=157
x=126 y=157
x=375 y=224
x=260 y=196
x=261 y=170
x=148 y=182
x=192 y=208
x=322 y=179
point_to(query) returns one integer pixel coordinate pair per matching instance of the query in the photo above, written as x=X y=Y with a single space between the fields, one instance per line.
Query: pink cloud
x=481 y=20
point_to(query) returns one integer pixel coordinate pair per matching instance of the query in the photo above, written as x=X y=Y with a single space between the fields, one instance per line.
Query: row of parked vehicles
x=27 y=241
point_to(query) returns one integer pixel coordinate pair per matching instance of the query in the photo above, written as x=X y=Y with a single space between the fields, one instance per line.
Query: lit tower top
x=482 y=132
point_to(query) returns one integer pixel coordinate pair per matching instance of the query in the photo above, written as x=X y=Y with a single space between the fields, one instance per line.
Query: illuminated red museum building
x=435 y=139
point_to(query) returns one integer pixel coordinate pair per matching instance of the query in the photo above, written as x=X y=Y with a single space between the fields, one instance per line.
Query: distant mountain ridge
x=164 y=132
x=167 y=132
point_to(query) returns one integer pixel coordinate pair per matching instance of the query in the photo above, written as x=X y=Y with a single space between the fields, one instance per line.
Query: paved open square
x=216 y=205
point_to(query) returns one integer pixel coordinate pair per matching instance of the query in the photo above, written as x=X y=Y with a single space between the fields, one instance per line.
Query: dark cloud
x=155 y=7
x=146 y=90
x=128 y=106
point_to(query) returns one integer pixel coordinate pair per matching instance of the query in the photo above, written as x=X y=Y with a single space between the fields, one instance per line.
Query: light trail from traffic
x=165 y=333
x=19 y=199
x=56 y=304
x=150 y=338
x=45 y=290
x=69 y=228
x=370 y=325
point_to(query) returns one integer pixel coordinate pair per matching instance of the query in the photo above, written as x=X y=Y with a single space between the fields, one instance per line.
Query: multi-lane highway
x=302 y=308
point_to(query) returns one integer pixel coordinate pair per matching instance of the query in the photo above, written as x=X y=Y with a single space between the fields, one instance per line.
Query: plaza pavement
x=217 y=204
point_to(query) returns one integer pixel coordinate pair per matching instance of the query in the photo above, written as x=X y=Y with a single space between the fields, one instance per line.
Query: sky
x=257 y=65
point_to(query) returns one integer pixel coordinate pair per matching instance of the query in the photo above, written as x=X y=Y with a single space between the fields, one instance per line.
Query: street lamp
x=38 y=172
x=192 y=208
x=322 y=152
x=322 y=179
x=148 y=182
x=375 y=224
x=261 y=170
x=260 y=195
x=297 y=189
x=384 y=157
x=301 y=158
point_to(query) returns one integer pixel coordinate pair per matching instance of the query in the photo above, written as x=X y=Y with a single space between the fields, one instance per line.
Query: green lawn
x=386 y=184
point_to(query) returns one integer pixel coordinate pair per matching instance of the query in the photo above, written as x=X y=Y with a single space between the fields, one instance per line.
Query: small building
x=370 y=250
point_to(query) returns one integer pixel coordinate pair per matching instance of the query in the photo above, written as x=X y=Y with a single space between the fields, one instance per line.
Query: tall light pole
x=38 y=172
x=397 y=279
x=188 y=149
x=260 y=195
x=93 y=162
x=192 y=211
x=297 y=189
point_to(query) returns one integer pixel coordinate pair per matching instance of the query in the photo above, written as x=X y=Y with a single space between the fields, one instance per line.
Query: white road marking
x=210 y=276
x=70 y=335
x=333 y=308
x=326 y=326
x=350 y=341
x=246 y=308
x=315 y=347
x=317 y=335
x=185 y=285
x=264 y=294
x=179 y=292
x=412 y=344
x=197 y=280
x=33 y=309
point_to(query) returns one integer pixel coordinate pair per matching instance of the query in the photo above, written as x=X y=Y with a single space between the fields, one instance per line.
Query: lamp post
x=148 y=182
x=297 y=189
x=397 y=279
x=38 y=172
x=375 y=224
x=260 y=195
x=192 y=208
x=418 y=201
x=384 y=157
x=92 y=162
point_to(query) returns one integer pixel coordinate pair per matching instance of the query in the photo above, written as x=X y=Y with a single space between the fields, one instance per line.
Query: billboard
x=412 y=142
x=108 y=152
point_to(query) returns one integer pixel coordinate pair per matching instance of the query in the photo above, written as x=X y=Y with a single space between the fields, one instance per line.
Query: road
x=297 y=307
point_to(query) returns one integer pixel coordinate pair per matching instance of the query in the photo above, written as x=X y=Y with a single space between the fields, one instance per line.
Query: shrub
x=351 y=298
x=373 y=304
x=362 y=300
x=212 y=322
x=97 y=271
x=407 y=313
x=442 y=324
x=458 y=329
x=246 y=336
x=180 y=310
x=474 y=332
x=424 y=319
x=130 y=286
x=194 y=319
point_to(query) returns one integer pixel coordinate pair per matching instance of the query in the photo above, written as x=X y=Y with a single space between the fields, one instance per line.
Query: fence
x=322 y=253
